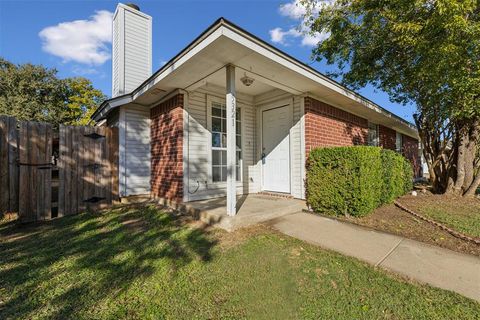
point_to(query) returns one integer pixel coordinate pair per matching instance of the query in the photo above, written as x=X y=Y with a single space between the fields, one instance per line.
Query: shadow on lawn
x=70 y=264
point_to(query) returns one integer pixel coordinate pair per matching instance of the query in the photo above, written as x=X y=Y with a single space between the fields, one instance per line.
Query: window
x=373 y=134
x=398 y=142
x=219 y=143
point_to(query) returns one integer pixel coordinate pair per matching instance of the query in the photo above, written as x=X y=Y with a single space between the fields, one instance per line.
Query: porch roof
x=203 y=63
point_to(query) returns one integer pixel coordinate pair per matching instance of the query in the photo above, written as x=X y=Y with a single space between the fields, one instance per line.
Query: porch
x=251 y=209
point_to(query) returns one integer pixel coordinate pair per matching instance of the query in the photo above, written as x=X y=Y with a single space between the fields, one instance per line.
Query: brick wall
x=388 y=137
x=167 y=149
x=410 y=151
x=327 y=126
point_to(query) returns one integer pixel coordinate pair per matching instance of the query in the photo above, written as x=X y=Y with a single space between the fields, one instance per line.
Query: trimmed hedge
x=355 y=180
x=397 y=175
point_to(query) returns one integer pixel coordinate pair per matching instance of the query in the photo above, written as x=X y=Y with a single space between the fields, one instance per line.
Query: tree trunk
x=469 y=165
x=461 y=146
x=473 y=187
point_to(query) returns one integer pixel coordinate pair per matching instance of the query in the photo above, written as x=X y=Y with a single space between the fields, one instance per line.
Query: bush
x=355 y=180
x=397 y=175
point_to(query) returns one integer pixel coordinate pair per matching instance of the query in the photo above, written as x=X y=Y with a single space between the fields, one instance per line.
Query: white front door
x=276 y=149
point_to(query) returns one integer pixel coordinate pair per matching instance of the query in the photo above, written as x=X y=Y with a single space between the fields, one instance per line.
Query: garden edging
x=438 y=224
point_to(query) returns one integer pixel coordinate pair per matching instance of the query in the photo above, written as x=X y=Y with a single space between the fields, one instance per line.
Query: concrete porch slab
x=251 y=209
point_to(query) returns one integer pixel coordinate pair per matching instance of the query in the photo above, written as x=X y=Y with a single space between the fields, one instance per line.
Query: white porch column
x=231 y=142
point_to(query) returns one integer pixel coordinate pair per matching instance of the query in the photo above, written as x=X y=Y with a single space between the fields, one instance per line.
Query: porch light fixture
x=246 y=80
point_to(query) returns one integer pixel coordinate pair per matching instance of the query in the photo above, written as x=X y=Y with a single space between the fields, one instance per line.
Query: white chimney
x=131 y=48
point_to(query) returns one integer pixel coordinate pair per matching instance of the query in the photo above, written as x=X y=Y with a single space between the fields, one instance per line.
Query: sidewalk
x=436 y=266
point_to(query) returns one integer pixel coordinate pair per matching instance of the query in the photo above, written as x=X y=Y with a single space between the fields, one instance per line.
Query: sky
x=75 y=36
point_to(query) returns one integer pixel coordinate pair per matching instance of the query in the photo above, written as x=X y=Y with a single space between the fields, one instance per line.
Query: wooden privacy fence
x=46 y=173
x=88 y=168
x=8 y=165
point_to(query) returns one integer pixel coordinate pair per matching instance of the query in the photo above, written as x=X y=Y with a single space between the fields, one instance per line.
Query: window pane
x=224 y=126
x=224 y=140
x=224 y=173
x=216 y=140
x=224 y=157
x=216 y=124
x=239 y=142
x=237 y=114
x=224 y=113
x=216 y=112
x=372 y=134
x=216 y=157
x=216 y=174
x=238 y=157
x=238 y=127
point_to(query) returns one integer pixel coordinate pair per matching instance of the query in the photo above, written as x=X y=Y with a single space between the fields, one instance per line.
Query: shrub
x=355 y=180
x=397 y=175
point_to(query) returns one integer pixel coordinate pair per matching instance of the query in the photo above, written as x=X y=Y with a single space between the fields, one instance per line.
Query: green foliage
x=83 y=100
x=425 y=52
x=421 y=52
x=355 y=180
x=397 y=175
x=33 y=92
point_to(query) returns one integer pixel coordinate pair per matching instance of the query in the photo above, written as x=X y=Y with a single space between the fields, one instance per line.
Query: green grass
x=141 y=263
x=461 y=215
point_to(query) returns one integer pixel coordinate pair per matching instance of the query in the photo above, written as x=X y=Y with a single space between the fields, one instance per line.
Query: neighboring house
x=230 y=114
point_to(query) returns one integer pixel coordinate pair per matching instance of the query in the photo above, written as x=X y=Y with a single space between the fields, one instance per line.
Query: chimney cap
x=133 y=5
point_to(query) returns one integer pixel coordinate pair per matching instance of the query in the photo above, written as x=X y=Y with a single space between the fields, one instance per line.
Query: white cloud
x=312 y=40
x=295 y=10
x=277 y=35
x=81 y=41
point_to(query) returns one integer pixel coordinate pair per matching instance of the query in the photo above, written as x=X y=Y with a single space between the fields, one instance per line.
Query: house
x=229 y=114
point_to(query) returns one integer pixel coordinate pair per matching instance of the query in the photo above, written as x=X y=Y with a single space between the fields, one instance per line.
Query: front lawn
x=142 y=263
x=460 y=214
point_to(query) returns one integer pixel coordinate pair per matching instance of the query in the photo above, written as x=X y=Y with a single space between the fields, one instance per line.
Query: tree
x=425 y=52
x=83 y=100
x=33 y=92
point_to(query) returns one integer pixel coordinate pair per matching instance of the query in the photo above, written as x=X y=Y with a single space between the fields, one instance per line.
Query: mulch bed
x=392 y=219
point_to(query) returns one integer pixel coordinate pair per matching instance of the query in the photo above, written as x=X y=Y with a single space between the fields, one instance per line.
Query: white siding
x=197 y=147
x=134 y=152
x=132 y=49
x=116 y=56
x=199 y=184
x=296 y=159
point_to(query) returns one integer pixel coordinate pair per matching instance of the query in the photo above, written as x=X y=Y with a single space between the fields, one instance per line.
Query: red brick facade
x=410 y=151
x=388 y=137
x=167 y=149
x=327 y=126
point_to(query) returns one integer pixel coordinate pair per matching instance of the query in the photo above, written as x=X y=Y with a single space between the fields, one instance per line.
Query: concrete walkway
x=436 y=266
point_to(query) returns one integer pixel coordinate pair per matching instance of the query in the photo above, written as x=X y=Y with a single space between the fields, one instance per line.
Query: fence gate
x=35 y=163
x=47 y=173
x=88 y=168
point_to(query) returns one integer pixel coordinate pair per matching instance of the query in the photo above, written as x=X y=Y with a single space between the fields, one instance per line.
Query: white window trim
x=398 y=138
x=210 y=100
x=376 y=141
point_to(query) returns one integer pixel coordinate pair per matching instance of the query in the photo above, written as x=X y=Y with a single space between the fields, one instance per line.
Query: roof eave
x=108 y=105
